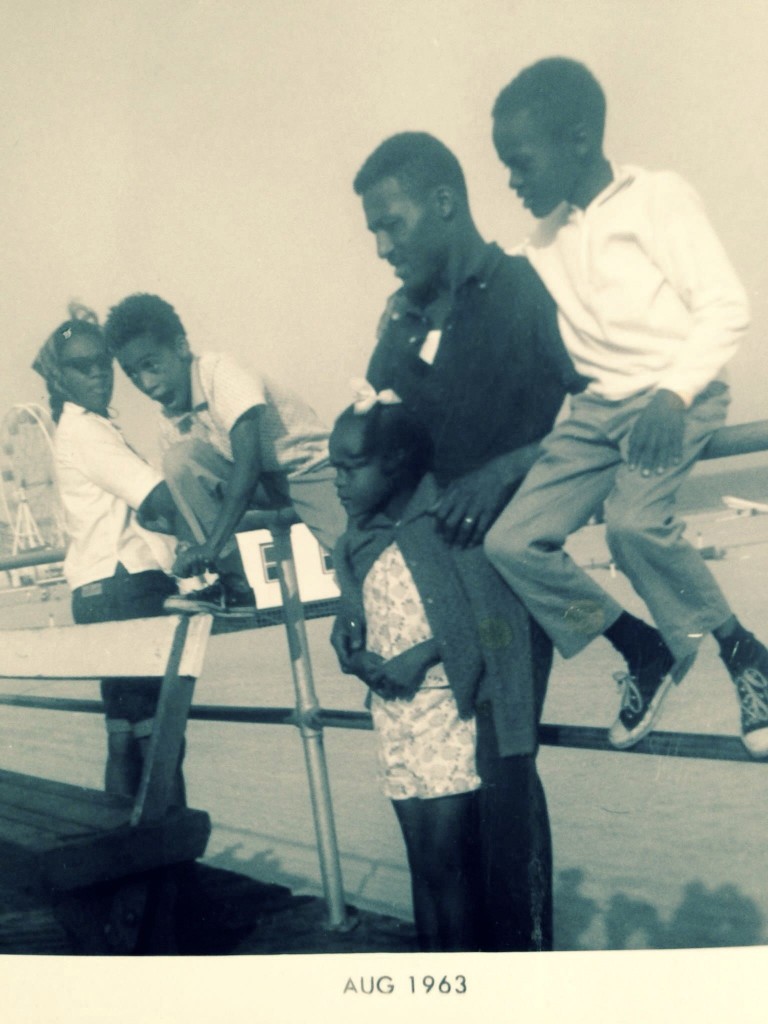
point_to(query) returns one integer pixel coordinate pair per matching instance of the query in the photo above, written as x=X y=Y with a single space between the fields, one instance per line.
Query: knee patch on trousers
x=118 y=726
x=143 y=729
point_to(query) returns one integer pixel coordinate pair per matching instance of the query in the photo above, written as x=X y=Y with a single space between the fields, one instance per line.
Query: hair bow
x=367 y=396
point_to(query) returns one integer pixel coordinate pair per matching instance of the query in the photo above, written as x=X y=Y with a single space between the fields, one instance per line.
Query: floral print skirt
x=425 y=749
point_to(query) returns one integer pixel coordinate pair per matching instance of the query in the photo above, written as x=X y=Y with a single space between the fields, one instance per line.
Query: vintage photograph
x=383 y=507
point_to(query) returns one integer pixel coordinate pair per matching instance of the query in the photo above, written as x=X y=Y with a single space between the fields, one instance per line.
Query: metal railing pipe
x=311 y=729
x=702 y=746
x=741 y=439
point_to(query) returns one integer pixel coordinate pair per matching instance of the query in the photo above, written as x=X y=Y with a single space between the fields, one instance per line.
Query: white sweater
x=646 y=295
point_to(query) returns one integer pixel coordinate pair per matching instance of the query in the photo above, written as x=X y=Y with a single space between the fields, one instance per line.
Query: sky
x=205 y=150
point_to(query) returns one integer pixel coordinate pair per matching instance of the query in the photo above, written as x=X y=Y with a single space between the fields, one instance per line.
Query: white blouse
x=101 y=481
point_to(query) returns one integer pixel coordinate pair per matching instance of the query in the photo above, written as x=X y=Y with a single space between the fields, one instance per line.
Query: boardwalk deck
x=218 y=912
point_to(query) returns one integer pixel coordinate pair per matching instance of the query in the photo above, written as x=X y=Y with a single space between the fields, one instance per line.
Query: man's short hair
x=139 y=315
x=560 y=92
x=417 y=160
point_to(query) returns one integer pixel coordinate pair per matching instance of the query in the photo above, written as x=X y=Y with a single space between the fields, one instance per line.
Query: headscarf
x=48 y=360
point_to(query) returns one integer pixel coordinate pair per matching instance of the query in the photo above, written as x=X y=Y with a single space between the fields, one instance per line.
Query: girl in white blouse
x=115 y=567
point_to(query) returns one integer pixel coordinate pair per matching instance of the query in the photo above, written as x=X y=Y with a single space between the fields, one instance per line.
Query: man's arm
x=246 y=470
x=469 y=506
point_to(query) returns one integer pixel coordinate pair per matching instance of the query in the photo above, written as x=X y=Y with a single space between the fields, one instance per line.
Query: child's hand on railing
x=192 y=560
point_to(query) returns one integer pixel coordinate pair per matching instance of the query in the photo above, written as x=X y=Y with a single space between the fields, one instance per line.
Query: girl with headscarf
x=115 y=567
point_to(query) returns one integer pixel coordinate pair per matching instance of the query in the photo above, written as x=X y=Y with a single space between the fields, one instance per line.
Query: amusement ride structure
x=31 y=516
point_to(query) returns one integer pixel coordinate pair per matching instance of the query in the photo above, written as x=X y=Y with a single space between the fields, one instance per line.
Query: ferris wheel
x=29 y=502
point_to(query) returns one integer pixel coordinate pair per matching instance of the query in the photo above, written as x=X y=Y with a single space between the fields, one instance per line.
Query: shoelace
x=752 y=688
x=631 y=698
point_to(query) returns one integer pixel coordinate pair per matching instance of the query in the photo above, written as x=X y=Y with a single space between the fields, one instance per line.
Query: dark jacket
x=501 y=371
x=482 y=631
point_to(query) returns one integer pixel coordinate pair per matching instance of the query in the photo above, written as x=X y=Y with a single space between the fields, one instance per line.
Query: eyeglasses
x=86 y=366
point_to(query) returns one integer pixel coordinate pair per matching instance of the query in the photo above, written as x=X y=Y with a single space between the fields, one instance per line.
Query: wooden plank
x=59 y=799
x=103 y=650
x=39 y=813
x=44 y=816
x=38 y=846
x=68 y=836
x=35 y=861
x=182 y=836
x=23 y=835
x=195 y=646
x=170 y=723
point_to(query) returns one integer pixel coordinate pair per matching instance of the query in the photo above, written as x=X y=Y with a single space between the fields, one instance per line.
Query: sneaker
x=214 y=600
x=638 y=710
x=747 y=664
x=643 y=693
x=240 y=604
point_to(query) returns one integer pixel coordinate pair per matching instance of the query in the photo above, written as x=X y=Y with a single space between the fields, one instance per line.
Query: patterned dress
x=425 y=749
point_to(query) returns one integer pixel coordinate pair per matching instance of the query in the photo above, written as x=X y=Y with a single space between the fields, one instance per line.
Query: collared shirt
x=486 y=378
x=647 y=297
x=292 y=438
x=101 y=481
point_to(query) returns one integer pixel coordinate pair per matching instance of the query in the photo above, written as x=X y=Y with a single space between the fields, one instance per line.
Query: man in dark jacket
x=470 y=344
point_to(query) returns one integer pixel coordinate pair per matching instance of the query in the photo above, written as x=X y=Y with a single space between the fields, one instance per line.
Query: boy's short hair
x=417 y=160
x=390 y=429
x=139 y=315
x=560 y=91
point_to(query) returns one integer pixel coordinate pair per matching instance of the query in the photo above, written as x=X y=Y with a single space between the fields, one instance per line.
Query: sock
x=636 y=641
x=730 y=644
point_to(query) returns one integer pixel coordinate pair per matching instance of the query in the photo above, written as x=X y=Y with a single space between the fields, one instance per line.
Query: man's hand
x=192 y=560
x=401 y=676
x=469 y=505
x=348 y=639
x=656 y=441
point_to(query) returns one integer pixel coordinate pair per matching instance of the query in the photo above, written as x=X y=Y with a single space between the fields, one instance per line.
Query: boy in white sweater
x=650 y=310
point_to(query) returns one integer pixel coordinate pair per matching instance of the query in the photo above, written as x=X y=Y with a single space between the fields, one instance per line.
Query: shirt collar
x=422 y=503
x=73 y=409
x=196 y=395
x=622 y=177
x=478 y=268
x=482 y=262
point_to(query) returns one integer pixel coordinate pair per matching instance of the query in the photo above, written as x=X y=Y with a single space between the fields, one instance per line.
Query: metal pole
x=40 y=556
x=310 y=727
x=741 y=439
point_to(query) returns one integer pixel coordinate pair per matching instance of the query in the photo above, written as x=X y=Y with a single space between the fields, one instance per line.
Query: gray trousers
x=583 y=465
x=196 y=474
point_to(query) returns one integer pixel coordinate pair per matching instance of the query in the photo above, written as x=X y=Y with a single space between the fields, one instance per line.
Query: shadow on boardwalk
x=220 y=912
x=724 y=916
